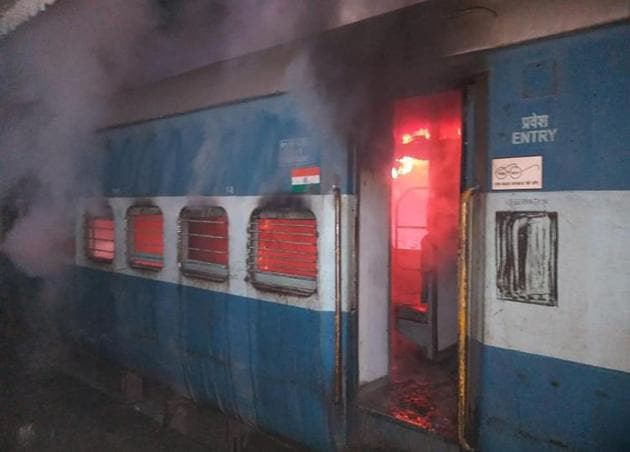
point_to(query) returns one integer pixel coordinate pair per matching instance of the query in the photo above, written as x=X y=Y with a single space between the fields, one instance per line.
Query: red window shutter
x=100 y=239
x=287 y=246
x=208 y=239
x=147 y=238
x=204 y=250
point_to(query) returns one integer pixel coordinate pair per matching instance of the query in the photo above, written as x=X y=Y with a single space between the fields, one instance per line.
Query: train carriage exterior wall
x=553 y=369
x=558 y=376
x=261 y=356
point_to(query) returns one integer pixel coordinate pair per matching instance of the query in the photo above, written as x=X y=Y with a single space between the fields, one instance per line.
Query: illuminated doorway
x=424 y=214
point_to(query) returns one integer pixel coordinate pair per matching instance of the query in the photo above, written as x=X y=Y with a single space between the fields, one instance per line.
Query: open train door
x=410 y=272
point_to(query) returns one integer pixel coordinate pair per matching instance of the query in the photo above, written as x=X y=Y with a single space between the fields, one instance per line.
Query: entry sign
x=517 y=173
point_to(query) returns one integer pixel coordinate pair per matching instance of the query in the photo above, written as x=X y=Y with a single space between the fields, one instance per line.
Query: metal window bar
x=203 y=243
x=100 y=238
x=282 y=251
x=145 y=238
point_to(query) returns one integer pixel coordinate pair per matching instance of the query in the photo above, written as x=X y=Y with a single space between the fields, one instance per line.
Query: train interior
x=421 y=387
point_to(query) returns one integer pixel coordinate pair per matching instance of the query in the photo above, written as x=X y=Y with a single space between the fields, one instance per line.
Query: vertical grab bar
x=462 y=301
x=338 y=306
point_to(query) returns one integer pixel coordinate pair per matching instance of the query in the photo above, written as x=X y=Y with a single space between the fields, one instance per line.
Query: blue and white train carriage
x=459 y=267
x=241 y=313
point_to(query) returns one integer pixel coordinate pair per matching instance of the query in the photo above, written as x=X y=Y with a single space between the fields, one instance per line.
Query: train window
x=282 y=251
x=99 y=236
x=145 y=237
x=203 y=242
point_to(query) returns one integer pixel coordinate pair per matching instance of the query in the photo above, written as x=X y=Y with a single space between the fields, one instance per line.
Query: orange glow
x=424 y=196
x=148 y=240
x=405 y=165
x=287 y=246
x=411 y=137
x=100 y=239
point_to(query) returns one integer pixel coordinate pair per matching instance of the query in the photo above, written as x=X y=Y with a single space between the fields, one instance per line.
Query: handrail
x=338 y=304
x=462 y=298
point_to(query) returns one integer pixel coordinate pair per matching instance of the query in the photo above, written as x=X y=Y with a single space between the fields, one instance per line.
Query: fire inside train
x=436 y=280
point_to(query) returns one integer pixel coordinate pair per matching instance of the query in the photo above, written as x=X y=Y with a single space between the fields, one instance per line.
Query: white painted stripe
x=239 y=209
x=591 y=324
x=304 y=180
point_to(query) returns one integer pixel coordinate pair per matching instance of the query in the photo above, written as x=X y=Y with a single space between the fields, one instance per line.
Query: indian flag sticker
x=305 y=180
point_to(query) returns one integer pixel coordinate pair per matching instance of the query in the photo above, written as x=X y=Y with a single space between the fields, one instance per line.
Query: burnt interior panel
x=527 y=251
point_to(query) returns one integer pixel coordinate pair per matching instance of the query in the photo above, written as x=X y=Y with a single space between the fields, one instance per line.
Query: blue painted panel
x=540 y=79
x=209 y=381
x=531 y=402
x=582 y=83
x=228 y=150
x=266 y=363
x=201 y=316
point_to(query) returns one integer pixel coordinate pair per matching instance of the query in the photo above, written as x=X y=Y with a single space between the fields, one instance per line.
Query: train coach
x=423 y=244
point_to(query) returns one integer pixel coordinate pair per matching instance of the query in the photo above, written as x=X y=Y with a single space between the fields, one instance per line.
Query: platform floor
x=49 y=401
x=43 y=409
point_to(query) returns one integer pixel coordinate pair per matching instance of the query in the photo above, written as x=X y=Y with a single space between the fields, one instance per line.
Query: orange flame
x=402 y=166
x=411 y=137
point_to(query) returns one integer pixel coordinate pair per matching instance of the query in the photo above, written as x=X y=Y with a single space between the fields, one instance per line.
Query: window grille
x=100 y=237
x=203 y=244
x=145 y=237
x=282 y=251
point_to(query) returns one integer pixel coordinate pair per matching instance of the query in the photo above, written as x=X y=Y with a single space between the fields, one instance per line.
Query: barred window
x=282 y=251
x=99 y=236
x=145 y=237
x=203 y=242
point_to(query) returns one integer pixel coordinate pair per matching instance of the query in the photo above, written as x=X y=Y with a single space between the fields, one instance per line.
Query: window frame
x=196 y=269
x=272 y=281
x=139 y=210
x=88 y=250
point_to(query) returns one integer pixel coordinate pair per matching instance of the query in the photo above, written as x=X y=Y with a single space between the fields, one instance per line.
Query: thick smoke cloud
x=56 y=73
x=195 y=33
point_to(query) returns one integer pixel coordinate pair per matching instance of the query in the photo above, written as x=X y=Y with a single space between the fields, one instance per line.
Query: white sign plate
x=517 y=173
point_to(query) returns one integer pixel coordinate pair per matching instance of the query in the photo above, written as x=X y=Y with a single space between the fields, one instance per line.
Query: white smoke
x=57 y=72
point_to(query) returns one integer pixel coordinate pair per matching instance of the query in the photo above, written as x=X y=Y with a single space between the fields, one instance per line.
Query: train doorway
x=424 y=199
